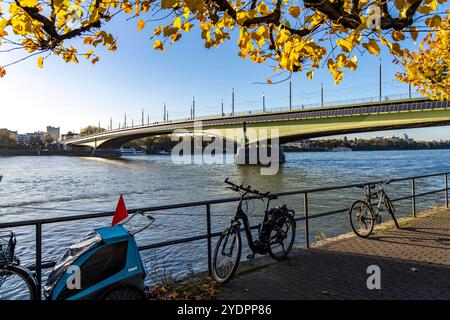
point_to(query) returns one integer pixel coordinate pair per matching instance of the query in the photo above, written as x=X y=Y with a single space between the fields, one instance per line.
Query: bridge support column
x=82 y=151
x=260 y=154
x=106 y=153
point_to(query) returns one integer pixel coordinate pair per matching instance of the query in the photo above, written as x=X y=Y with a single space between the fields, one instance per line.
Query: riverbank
x=31 y=152
x=77 y=153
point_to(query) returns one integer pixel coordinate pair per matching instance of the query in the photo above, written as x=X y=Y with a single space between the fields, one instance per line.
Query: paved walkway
x=414 y=264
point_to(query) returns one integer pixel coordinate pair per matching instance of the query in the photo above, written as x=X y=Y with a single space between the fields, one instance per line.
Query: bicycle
x=110 y=268
x=363 y=217
x=276 y=234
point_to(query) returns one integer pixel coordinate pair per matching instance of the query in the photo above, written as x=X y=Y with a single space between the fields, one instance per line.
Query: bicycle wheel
x=17 y=283
x=282 y=237
x=227 y=255
x=362 y=218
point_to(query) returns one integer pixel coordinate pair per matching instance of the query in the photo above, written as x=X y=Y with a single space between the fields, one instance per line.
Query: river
x=37 y=187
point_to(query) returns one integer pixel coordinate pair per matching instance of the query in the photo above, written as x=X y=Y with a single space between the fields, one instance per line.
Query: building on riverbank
x=54 y=132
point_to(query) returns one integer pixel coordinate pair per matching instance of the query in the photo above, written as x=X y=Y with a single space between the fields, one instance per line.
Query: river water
x=38 y=187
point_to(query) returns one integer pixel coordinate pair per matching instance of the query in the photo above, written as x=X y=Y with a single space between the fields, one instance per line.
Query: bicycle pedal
x=250 y=256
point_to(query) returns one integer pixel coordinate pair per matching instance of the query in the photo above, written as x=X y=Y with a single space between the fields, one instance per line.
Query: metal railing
x=38 y=223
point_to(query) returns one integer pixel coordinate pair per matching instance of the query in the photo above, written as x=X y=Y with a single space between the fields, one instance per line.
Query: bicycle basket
x=7 y=247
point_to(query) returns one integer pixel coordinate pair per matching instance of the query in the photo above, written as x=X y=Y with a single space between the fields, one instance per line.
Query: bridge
x=290 y=125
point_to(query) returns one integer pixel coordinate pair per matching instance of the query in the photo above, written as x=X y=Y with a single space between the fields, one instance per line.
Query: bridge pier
x=259 y=154
x=83 y=151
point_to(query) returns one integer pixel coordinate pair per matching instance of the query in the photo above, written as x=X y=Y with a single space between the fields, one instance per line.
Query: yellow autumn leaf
x=158 y=45
x=3 y=23
x=269 y=80
x=310 y=74
x=88 y=54
x=40 y=62
x=177 y=22
x=28 y=3
x=127 y=8
x=345 y=44
x=141 y=25
x=294 y=11
x=372 y=47
x=2 y=72
x=263 y=8
x=398 y=35
x=414 y=33
x=433 y=22
x=187 y=26
x=95 y=60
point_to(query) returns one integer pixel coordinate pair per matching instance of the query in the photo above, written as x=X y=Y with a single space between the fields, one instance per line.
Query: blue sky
x=136 y=76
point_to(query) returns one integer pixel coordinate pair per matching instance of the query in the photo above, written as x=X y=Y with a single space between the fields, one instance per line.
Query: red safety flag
x=121 y=212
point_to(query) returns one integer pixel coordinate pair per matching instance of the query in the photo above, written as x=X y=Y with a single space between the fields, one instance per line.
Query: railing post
x=446 y=190
x=208 y=226
x=39 y=258
x=306 y=219
x=413 y=193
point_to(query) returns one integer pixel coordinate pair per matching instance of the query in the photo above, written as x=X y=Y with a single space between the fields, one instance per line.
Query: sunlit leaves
x=337 y=65
x=2 y=72
x=434 y=21
x=263 y=8
x=141 y=25
x=28 y=3
x=414 y=32
x=292 y=36
x=372 y=47
x=158 y=45
x=428 y=68
x=398 y=35
x=40 y=62
x=294 y=11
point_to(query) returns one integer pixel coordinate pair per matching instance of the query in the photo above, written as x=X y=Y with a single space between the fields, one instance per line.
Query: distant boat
x=339 y=149
x=131 y=152
x=164 y=152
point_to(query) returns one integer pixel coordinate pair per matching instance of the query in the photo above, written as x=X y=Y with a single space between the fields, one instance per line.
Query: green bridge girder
x=290 y=125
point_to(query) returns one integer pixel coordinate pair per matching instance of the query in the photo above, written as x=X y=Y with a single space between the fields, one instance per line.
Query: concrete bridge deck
x=414 y=263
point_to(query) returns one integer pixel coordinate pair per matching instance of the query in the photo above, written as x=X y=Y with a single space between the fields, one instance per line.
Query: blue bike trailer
x=99 y=265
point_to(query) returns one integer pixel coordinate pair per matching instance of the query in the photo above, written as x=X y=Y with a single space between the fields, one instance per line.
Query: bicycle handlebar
x=248 y=189
x=373 y=185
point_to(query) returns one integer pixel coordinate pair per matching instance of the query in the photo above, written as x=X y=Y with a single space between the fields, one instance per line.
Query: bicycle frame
x=381 y=195
x=241 y=215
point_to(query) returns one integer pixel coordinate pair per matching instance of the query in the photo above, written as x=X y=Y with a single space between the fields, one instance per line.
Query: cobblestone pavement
x=414 y=264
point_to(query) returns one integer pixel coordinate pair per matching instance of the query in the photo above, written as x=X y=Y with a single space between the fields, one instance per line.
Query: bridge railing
x=208 y=206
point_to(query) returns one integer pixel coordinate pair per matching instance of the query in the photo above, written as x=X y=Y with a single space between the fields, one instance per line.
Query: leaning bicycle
x=276 y=234
x=363 y=216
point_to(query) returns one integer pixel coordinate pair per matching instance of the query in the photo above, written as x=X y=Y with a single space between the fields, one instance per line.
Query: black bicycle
x=276 y=234
x=362 y=214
